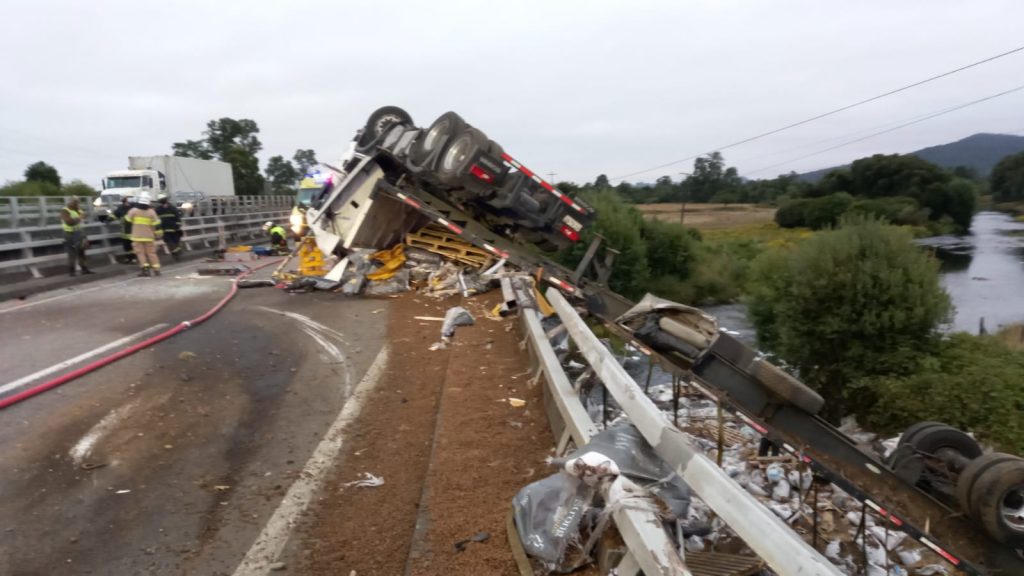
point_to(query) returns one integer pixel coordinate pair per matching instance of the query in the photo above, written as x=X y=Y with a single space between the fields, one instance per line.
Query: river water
x=983 y=272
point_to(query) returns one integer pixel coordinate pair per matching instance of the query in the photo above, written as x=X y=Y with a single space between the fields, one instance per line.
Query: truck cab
x=127 y=183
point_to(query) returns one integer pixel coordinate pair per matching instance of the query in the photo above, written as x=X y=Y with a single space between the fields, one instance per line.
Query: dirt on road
x=451 y=448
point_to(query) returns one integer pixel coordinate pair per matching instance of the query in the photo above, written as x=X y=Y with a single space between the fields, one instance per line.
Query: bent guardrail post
x=782 y=549
x=650 y=547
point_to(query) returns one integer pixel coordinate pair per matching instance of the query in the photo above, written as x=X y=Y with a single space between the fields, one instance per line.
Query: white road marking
x=83 y=448
x=309 y=322
x=23 y=305
x=272 y=539
x=80 y=358
x=326 y=344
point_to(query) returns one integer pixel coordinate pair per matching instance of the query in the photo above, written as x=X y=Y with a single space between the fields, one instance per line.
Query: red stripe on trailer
x=500 y=253
x=450 y=226
x=408 y=200
x=563 y=285
x=760 y=429
x=949 y=557
x=529 y=173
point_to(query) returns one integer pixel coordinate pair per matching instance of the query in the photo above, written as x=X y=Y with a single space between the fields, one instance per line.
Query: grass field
x=710 y=216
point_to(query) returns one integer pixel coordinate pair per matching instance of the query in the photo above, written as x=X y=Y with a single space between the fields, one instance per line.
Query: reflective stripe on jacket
x=75 y=215
x=278 y=231
x=145 y=224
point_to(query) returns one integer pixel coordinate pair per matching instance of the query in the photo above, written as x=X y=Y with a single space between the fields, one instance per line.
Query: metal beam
x=762 y=530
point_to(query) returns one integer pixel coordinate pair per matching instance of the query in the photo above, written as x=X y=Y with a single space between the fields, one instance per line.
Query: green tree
x=79 y=189
x=710 y=177
x=42 y=172
x=857 y=301
x=1007 y=182
x=602 y=182
x=281 y=175
x=29 y=188
x=192 y=149
x=232 y=141
x=304 y=160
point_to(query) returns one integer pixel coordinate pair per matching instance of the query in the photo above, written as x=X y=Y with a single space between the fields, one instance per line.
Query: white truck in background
x=186 y=180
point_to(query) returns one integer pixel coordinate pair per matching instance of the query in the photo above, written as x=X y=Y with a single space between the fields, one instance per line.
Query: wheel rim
x=1011 y=509
x=434 y=134
x=456 y=154
x=383 y=122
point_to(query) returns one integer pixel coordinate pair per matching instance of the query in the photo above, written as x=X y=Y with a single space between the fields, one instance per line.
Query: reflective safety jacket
x=170 y=217
x=145 y=224
x=278 y=231
x=76 y=216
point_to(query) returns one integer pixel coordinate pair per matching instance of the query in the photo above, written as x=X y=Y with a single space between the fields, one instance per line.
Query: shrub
x=972 y=382
x=857 y=301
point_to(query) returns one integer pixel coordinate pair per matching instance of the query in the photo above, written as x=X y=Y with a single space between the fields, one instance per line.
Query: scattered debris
x=516 y=402
x=437 y=346
x=429 y=318
x=455 y=317
x=311 y=283
x=277 y=566
x=255 y=283
x=221 y=488
x=368 y=481
x=478 y=537
x=186 y=355
x=122 y=492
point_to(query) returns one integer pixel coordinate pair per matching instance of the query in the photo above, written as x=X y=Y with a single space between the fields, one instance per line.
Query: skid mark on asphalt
x=80 y=358
x=322 y=335
x=83 y=448
x=272 y=539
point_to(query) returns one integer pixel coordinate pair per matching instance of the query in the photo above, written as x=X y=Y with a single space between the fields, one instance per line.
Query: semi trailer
x=186 y=180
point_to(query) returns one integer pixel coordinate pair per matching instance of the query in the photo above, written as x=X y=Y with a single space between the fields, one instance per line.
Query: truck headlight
x=186 y=206
x=97 y=202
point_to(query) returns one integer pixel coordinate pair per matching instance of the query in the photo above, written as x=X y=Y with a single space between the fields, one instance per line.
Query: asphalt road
x=172 y=460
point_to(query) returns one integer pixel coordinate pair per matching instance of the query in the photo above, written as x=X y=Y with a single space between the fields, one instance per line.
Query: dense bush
x=30 y=188
x=1008 y=179
x=971 y=382
x=899 y=210
x=814 y=213
x=857 y=301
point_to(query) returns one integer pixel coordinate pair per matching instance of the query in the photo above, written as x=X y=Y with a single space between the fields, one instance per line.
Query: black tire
x=378 y=123
x=786 y=387
x=934 y=438
x=969 y=477
x=446 y=127
x=914 y=430
x=998 y=491
x=454 y=162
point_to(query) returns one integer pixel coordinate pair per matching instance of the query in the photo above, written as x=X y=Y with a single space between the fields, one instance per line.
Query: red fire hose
x=79 y=372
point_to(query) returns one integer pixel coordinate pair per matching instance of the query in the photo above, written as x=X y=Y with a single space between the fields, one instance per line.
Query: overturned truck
x=377 y=191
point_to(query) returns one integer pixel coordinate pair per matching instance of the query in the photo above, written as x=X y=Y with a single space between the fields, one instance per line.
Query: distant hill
x=980 y=151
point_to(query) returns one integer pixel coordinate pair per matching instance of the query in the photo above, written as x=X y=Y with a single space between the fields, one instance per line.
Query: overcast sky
x=578 y=88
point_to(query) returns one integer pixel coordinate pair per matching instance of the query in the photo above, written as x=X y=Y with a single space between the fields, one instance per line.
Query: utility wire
x=826 y=114
x=904 y=125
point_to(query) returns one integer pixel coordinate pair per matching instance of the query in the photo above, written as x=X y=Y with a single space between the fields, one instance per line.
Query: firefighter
x=74 y=238
x=126 y=227
x=145 y=234
x=170 y=224
x=278 y=237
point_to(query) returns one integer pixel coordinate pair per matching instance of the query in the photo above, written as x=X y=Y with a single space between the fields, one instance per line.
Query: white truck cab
x=131 y=183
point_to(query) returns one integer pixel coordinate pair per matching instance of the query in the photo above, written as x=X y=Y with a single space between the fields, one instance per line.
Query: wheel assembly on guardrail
x=433 y=139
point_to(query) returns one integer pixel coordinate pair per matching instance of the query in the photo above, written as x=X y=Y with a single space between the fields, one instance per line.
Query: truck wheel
x=998 y=500
x=458 y=155
x=378 y=123
x=786 y=387
x=908 y=435
x=440 y=132
x=934 y=438
x=969 y=477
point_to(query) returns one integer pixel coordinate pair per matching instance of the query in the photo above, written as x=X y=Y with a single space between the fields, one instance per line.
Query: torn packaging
x=455 y=317
x=556 y=516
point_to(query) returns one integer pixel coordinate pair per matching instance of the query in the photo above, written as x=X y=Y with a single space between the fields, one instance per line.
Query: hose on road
x=185 y=325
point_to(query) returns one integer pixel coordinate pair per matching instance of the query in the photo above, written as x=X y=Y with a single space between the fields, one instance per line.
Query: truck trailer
x=185 y=180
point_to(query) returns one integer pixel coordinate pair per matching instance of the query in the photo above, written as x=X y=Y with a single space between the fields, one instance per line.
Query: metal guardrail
x=783 y=550
x=35 y=247
x=38 y=211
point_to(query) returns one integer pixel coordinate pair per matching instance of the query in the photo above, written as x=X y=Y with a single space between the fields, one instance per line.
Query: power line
x=904 y=125
x=826 y=114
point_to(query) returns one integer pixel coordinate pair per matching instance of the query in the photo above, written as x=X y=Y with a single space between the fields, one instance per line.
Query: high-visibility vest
x=279 y=231
x=75 y=215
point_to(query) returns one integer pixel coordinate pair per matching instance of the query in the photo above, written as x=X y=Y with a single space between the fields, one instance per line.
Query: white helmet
x=143 y=198
x=162 y=196
x=267 y=226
